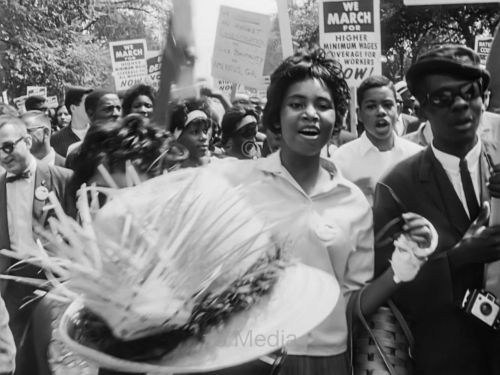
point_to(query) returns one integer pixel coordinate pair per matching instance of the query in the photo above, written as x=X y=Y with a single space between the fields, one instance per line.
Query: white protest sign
x=446 y=2
x=52 y=102
x=36 y=90
x=5 y=97
x=128 y=60
x=349 y=31
x=154 y=68
x=19 y=103
x=224 y=86
x=240 y=46
x=483 y=47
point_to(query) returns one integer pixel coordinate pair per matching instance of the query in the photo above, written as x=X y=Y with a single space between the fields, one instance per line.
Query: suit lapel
x=440 y=187
x=4 y=229
x=42 y=179
x=5 y=262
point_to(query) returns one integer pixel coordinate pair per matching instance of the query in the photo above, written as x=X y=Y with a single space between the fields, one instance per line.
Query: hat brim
x=300 y=300
x=419 y=70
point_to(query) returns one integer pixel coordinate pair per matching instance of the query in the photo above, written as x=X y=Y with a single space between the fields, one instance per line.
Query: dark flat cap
x=451 y=59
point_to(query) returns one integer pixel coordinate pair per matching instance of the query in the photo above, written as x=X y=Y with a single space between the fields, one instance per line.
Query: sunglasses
x=8 y=147
x=446 y=97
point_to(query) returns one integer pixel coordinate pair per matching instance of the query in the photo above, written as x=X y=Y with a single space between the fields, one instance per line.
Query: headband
x=191 y=116
x=248 y=119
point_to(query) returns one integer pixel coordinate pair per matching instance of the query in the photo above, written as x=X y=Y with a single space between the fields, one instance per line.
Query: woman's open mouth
x=309 y=132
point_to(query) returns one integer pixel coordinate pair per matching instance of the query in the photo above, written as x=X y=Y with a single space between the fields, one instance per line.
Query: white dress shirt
x=399 y=127
x=20 y=195
x=451 y=166
x=361 y=162
x=331 y=229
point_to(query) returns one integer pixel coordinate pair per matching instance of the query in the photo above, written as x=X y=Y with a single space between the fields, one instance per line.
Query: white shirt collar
x=272 y=164
x=31 y=167
x=451 y=162
x=365 y=145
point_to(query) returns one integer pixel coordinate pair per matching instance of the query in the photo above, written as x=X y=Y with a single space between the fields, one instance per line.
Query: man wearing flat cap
x=449 y=183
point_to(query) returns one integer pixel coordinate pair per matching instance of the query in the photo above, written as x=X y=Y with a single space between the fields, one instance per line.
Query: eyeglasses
x=446 y=97
x=8 y=147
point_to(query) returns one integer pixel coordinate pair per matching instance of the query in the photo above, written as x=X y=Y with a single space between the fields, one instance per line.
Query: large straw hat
x=183 y=254
x=300 y=300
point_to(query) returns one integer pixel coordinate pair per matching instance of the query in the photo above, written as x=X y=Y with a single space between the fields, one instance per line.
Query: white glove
x=408 y=257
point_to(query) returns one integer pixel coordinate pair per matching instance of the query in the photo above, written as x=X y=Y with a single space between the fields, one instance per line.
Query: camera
x=483 y=306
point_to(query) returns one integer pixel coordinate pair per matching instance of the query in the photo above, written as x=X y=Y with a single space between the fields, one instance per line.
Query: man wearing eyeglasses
x=24 y=189
x=449 y=183
x=39 y=128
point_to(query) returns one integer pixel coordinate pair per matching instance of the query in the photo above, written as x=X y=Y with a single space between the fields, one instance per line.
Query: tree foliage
x=304 y=24
x=55 y=43
x=407 y=31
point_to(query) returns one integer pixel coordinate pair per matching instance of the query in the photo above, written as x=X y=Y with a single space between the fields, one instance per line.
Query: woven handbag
x=381 y=344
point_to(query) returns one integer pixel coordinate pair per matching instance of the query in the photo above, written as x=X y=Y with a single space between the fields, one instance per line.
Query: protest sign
x=19 y=103
x=5 y=97
x=240 y=46
x=154 y=68
x=52 y=102
x=225 y=86
x=128 y=60
x=446 y=2
x=349 y=31
x=483 y=47
x=36 y=90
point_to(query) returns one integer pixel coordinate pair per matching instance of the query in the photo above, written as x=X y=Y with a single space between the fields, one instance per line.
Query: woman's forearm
x=378 y=291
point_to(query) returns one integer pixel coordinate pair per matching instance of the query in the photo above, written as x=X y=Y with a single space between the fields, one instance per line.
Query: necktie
x=21 y=176
x=470 y=195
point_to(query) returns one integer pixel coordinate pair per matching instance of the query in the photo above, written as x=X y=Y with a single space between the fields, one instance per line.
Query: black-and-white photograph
x=250 y=187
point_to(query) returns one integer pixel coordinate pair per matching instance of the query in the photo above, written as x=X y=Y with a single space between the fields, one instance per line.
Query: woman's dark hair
x=132 y=138
x=59 y=107
x=302 y=66
x=132 y=93
x=181 y=109
x=231 y=119
x=54 y=121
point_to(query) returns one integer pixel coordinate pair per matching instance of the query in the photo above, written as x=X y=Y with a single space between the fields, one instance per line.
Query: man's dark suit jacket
x=447 y=340
x=62 y=139
x=14 y=294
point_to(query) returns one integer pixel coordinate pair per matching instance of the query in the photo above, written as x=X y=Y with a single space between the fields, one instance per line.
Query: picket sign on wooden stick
x=177 y=61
